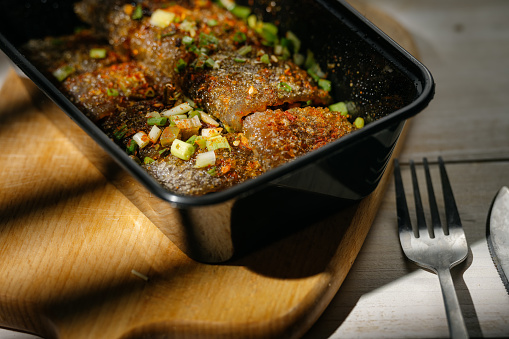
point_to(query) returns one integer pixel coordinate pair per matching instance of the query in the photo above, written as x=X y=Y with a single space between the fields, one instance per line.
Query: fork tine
x=419 y=210
x=435 y=216
x=404 y=223
x=451 y=210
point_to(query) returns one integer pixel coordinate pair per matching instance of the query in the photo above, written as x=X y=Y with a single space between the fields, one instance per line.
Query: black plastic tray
x=387 y=84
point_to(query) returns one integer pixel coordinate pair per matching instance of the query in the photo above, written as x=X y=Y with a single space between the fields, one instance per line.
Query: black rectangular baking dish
x=366 y=67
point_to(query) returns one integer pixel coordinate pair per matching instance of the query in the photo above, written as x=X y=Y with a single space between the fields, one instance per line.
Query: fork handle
x=457 y=327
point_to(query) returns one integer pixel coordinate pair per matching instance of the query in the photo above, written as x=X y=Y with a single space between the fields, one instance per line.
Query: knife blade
x=497 y=234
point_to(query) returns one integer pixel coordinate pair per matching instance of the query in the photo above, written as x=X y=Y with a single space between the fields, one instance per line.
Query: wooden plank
x=69 y=242
x=466 y=47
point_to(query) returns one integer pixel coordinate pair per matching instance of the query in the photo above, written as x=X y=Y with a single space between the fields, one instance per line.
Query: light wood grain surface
x=466 y=46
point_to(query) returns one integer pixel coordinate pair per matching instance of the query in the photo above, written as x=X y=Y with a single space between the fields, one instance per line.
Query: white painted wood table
x=465 y=44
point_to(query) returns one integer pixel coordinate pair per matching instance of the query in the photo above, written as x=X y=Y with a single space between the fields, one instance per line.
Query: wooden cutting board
x=71 y=248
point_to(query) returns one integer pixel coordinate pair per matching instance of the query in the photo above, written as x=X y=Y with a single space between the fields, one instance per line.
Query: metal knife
x=497 y=234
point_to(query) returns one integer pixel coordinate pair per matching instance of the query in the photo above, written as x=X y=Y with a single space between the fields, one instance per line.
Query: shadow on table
x=363 y=279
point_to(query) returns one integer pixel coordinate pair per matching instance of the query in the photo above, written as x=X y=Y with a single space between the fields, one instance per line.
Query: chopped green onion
x=212 y=22
x=228 y=4
x=150 y=93
x=201 y=142
x=208 y=39
x=148 y=160
x=339 y=107
x=97 y=53
x=153 y=114
x=181 y=65
x=206 y=118
x=324 y=84
x=193 y=113
x=284 y=86
x=265 y=59
x=112 y=92
x=212 y=171
x=295 y=41
x=164 y=150
x=63 y=72
x=239 y=37
x=298 y=59
x=141 y=139
x=210 y=63
x=192 y=139
x=154 y=134
x=161 y=18
x=210 y=132
x=251 y=21
x=241 y=12
x=120 y=132
x=187 y=40
x=205 y=159
x=269 y=33
x=182 y=150
x=240 y=60
x=159 y=121
x=131 y=147
x=217 y=142
x=180 y=109
x=359 y=122
x=244 y=50
x=194 y=122
x=138 y=13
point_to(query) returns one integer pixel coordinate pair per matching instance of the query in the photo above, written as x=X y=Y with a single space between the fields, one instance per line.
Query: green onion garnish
x=121 y=132
x=265 y=59
x=284 y=86
x=138 y=13
x=97 y=53
x=295 y=41
x=241 y=12
x=159 y=121
x=112 y=92
x=239 y=37
x=206 y=40
x=324 y=84
x=240 y=60
x=269 y=33
x=192 y=139
x=181 y=65
x=244 y=50
x=187 y=40
x=182 y=150
x=339 y=107
x=193 y=113
x=359 y=122
x=212 y=22
x=212 y=171
x=217 y=143
x=131 y=147
x=148 y=160
x=63 y=72
x=210 y=63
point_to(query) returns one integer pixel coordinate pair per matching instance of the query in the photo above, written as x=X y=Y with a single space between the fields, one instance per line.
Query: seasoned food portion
x=217 y=59
x=201 y=96
x=74 y=54
x=280 y=136
x=102 y=92
x=226 y=167
x=243 y=85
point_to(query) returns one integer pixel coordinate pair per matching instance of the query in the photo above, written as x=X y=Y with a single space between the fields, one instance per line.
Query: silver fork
x=436 y=248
